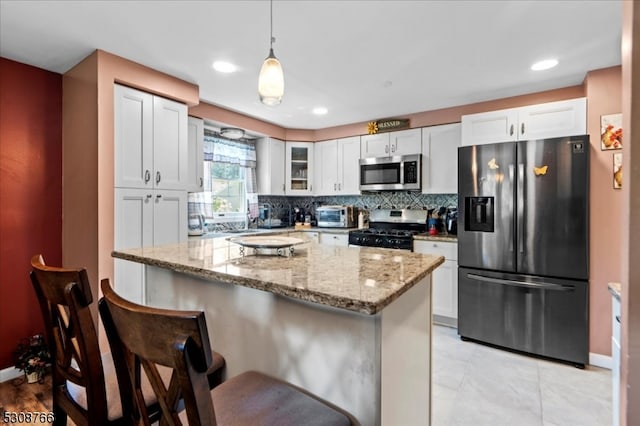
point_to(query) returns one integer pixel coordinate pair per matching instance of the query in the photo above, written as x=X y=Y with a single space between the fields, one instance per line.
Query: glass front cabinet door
x=299 y=168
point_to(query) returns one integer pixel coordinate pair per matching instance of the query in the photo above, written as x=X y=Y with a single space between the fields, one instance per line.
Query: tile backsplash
x=368 y=201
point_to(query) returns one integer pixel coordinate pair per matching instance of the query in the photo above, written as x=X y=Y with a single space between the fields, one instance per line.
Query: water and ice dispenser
x=479 y=214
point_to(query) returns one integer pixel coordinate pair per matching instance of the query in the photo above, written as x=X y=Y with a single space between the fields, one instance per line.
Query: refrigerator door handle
x=511 y=178
x=541 y=286
x=520 y=205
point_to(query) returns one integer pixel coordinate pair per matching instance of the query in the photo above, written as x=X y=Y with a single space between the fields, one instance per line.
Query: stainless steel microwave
x=391 y=173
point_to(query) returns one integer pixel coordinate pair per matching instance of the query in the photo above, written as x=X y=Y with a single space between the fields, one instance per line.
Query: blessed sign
x=387 y=125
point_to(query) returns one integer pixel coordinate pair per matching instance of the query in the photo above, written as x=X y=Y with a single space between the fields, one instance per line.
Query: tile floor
x=477 y=385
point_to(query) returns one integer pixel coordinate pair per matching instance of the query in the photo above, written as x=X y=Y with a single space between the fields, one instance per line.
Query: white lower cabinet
x=331 y=239
x=145 y=218
x=615 y=357
x=312 y=236
x=444 y=280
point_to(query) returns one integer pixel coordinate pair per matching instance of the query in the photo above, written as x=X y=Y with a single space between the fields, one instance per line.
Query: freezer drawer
x=525 y=313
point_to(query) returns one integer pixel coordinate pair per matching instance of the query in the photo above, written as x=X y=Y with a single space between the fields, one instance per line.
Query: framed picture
x=611 y=132
x=617 y=170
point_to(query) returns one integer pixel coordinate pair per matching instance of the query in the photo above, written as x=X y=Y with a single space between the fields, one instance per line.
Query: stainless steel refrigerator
x=523 y=238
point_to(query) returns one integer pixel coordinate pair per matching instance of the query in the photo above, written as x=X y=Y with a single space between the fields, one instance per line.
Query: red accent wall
x=30 y=193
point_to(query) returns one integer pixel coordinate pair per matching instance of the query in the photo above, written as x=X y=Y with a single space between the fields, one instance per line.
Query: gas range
x=390 y=228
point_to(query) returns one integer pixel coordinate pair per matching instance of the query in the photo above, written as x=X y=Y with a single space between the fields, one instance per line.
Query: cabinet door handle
x=157 y=177
x=618 y=318
x=522 y=129
x=511 y=130
x=201 y=182
x=158 y=197
x=393 y=148
x=386 y=149
x=149 y=195
x=335 y=186
x=147 y=176
x=339 y=187
x=283 y=187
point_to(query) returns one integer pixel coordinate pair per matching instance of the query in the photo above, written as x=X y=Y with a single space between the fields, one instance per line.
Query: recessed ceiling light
x=222 y=66
x=544 y=65
x=320 y=111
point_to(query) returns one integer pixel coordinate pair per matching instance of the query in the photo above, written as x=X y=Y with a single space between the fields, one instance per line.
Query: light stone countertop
x=265 y=231
x=615 y=289
x=360 y=279
x=440 y=237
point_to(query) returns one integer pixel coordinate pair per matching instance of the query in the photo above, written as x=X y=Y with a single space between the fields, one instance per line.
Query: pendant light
x=271 y=79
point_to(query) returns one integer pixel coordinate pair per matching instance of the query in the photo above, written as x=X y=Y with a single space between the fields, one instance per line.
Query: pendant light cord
x=271 y=13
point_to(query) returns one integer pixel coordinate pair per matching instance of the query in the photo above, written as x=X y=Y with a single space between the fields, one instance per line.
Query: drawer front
x=334 y=239
x=440 y=248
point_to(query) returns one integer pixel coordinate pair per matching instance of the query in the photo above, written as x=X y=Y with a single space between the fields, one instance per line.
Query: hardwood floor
x=18 y=396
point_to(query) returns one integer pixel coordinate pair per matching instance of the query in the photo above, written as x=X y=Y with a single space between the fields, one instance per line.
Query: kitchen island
x=352 y=325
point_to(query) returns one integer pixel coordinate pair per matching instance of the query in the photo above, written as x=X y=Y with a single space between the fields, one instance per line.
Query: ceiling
x=363 y=60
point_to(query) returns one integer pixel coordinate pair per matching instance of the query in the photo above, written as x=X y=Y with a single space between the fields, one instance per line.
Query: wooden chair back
x=65 y=298
x=142 y=336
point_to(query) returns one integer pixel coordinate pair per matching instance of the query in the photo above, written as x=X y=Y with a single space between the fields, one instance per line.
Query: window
x=229 y=184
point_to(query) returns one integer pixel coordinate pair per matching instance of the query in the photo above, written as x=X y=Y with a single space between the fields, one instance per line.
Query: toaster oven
x=337 y=216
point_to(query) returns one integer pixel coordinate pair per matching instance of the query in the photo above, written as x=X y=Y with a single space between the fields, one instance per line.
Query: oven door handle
x=514 y=283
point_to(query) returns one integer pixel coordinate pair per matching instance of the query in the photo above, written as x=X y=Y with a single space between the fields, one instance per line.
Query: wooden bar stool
x=180 y=340
x=86 y=385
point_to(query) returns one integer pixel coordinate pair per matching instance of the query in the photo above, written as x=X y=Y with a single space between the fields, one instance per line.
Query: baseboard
x=601 y=361
x=9 y=373
x=446 y=321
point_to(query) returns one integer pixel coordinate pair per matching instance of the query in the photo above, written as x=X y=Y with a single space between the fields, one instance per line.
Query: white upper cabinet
x=490 y=127
x=270 y=166
x=440 y=158
x=548 y=120
x=401 y=142
x=299 y=168
x=337 y=167
x=406 y=142
x=553 y=119
x=150 y=141
x=326 y=155
x=349 y=166
x=196 y=154
x=376 y=145
x=133 y=138
x=170 y=147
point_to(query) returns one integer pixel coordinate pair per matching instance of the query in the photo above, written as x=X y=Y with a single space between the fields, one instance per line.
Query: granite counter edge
x=349 y=304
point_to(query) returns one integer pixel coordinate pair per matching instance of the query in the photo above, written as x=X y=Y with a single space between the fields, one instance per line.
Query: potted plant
x=33 y=357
